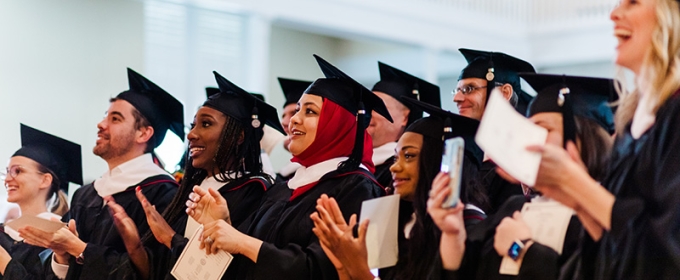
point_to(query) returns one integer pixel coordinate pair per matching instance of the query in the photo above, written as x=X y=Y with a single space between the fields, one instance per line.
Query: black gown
x=27 y=260
x=644 y=175
x=290 y=249
x=243 y=198
x=383 y=174
x=498 y=189
x=105 y=256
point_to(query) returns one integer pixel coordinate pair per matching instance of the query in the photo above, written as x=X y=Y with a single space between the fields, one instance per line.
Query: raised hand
x=207 y=206
x=159 y=227
x=348 y=254
x=130 y=235
x=449 y=220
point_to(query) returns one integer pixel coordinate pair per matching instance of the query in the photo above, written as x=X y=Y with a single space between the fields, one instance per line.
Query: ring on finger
x=208 y=240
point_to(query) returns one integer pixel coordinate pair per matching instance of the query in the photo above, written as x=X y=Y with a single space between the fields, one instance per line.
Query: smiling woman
x=37 y=175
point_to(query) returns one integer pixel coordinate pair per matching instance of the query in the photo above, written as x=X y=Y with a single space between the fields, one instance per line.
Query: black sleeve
x=540 y=262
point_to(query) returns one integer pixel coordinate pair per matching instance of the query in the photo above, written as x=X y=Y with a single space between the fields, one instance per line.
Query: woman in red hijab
x=328 y=139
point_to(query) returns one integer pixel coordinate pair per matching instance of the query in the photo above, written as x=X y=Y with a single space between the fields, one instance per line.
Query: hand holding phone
x=452 y=163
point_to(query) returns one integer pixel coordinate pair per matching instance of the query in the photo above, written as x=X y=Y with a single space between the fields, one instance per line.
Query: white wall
x=60 y=62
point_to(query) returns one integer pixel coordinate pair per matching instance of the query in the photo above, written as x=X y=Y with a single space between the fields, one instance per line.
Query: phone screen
x=452 y=163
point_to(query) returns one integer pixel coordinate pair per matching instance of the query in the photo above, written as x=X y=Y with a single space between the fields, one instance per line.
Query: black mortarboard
x=61 y=156
x=397 y=83
x=292 y=89
x=160 y=108
x=243 y=106
x=354 y=97
x=210 y=91
x=573 y=96
x=258 y=96
x=450 y=125
x=496 y=67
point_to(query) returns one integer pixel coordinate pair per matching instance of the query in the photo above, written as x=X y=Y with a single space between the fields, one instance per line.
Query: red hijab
x=335 y=136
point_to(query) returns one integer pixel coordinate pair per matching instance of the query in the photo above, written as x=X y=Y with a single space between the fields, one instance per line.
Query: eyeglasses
x=467 y=89
x=14 y=171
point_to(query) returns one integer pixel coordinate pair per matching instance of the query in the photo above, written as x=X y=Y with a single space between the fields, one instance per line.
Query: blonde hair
x=659 y=75
x=59 y=203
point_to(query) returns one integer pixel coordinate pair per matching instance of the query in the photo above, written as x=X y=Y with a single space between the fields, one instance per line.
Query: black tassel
x=354 y=160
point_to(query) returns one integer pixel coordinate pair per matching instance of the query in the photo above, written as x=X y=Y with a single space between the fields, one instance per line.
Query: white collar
x=15 y=234
x=289 y=169
x=311 y=174
x=128 y=174
x=382 y=153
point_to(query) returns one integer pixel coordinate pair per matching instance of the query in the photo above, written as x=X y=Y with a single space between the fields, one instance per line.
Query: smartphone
x=452 y=163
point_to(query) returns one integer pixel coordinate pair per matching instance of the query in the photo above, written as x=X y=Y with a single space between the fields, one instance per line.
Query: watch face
x=515 y=249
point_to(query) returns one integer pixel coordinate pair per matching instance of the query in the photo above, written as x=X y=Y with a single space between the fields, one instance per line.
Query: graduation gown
x=105 y=256
x=290 y=250
x=498 y=189
x=243 y=198
x=27 y=260
x=644 y=175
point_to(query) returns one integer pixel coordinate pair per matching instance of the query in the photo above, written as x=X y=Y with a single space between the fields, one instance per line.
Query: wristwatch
x=80 y=259
x=516 y=248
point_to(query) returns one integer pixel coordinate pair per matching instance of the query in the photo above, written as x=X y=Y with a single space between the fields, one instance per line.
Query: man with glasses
x=484 y=72
x=489 y=68
x=135 y=124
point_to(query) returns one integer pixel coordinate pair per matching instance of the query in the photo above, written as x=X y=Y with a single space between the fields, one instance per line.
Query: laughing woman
x=224 y=160
x=635 y=207
x=335 y=153
x=36 y=176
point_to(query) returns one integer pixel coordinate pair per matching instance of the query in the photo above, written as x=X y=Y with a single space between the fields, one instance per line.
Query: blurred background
x=60 y=61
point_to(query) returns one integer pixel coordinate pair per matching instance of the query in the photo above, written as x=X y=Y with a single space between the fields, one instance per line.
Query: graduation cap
x=160 y=108
x=397 y=83
x=292 y=89
x=353 y=97
x=210 y=91
x=496 y=67
x=243 y=106
x=61 y=156
x=573 y=96
x=449 y=125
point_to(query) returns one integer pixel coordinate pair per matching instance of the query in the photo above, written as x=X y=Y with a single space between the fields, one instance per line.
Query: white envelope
x=381 y=235
x=39 y=223
x=504 y=134
x=195 y=264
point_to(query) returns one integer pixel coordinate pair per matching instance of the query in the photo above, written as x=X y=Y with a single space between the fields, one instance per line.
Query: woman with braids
x=37 y=176
x=417 y=161
x=224 y=160
x=330 y=142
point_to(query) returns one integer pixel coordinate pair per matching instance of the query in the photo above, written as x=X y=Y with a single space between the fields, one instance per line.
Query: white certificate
x=548 y=222
x=504 y=135
x=36 y=222
x=195 y=264
x=383 y=228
